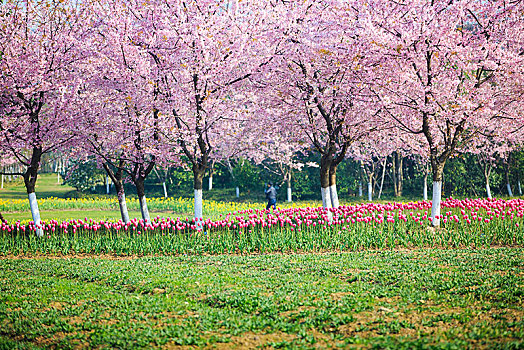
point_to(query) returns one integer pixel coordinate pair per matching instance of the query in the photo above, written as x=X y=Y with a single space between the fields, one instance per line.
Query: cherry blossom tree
x=40 y=42
x=316 y=82
x=203 y=52
x=439 y=72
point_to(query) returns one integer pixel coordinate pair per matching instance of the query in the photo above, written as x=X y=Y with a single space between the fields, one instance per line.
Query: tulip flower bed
x=477 y=222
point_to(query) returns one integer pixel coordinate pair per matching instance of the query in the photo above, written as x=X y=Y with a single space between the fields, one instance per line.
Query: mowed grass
x=383 y=299
x=46 y=186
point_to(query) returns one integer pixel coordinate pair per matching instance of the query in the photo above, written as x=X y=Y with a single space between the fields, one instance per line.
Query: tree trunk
x=438 y=171
x=289 y=194
x=333 y=185
x=211 y=171
x=325 y=164
x=140 y=190
x=520 y=188
x=397 y=174
x=199 y=171
x=370 y=190
x=425 y=189
x=360 y=188
x=107 y=184
x=237 y=192
x=508 y=183
x=382 y=178
x=165 y=189
x=30 y=177
x=116 y=177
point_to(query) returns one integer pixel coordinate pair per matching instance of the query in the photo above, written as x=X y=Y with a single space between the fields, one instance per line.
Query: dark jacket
x=271 y=193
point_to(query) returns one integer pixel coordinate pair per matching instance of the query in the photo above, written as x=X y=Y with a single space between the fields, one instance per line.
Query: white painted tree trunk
x=165 y=189
x=107 y=184
x=360 y=188
x=520 y=188
x=488 y=190
x=123 y=208
x=370 y=191
x=289 y=197
x=210 y=183
x=2 y=187
x=510 y=192
x=35 y=213
x=382 y=178
x=144 y=210
x=237 y=192
x=425 y=189
x=326 y=201
x=334 y=196
x=326 y=198
x=435 y=203
x=198 y=208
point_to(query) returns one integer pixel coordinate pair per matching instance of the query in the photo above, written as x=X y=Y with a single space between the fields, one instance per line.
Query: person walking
x=271 y=196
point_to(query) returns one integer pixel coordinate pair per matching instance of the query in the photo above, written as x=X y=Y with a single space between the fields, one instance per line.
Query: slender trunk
x=438 y=171
x=2 y=186
x=360 y=188
x=425 y=189
x=165 y=189
x=394 y=173
x=140 y=190
x=116 y=177
x=289 y=196
x=107 y=184
x=211 y=171
x=237 y=192
x=520 y=188
x=488 y=189
x=382 y=178
x=30 y=177
x=370 y=190
x=230 y=168
x=508 y=182
x=400 y=173
x=198 y=178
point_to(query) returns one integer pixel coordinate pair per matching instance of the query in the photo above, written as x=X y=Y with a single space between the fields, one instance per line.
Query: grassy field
x=60 y=202
x=382 y=299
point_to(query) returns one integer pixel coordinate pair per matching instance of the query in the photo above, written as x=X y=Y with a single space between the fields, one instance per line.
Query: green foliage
x=82 y=175
x=432 y=298
x=247 y=176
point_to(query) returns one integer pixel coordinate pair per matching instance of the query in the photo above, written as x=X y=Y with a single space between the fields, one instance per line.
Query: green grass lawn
x=46 y=186
x=383 y=299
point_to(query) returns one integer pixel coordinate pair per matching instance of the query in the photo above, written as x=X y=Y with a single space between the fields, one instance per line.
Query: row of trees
x=177 y=83
x=392 y=177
